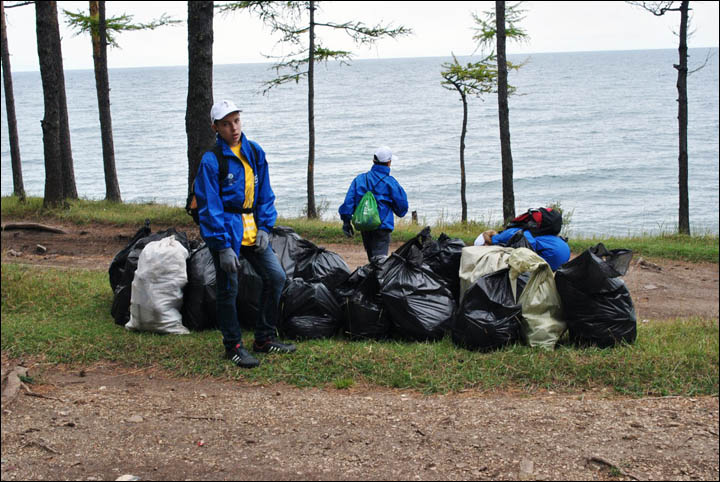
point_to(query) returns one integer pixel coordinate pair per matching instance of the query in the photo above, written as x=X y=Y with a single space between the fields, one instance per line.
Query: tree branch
x=656 y=8
x=21 y=4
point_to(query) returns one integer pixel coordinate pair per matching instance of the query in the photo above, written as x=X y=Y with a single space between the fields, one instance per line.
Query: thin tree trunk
x=311 y=211
x=102 y=85
x=200 y=135
x=18 y=187
x=47 y=41
x=463 y=185
x=68 y=170
x=682 y=68
x=504 y=116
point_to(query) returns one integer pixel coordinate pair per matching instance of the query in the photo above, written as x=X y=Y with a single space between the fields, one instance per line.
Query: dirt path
x=104 y=421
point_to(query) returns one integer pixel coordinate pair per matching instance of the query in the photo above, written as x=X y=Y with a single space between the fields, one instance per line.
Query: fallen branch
x=33 y=226
x=30 y=393
x=603 y=461
x=42 y=446
x=666 y=397
x=202 y=418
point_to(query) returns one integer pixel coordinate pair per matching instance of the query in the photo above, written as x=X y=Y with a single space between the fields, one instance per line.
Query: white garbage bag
x=157 y=289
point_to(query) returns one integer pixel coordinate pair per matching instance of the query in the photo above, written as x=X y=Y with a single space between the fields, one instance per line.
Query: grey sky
x=439 y=29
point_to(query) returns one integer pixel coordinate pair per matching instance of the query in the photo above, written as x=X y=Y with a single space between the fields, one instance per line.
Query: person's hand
x=488 y=236
x=347 y=228
x=261 y=241
x=229 y=261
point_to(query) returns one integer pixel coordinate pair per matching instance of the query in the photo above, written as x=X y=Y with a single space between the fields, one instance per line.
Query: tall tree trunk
x=48 y=40
x=504 y=116
x=68 y=170
x=200 y=136
x=311 y=210
x=102 y=85
x=18 y=187
x=682 y=68
x=463 y=199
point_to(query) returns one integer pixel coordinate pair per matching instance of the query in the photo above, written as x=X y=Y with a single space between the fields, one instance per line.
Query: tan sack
x=542 y=323
x=477 y=261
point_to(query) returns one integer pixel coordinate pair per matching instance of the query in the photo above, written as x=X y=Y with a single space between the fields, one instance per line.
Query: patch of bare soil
x=104 y=421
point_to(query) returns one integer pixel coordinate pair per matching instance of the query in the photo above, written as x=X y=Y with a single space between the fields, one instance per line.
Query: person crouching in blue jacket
x=237 y=215
x=549 y=247
x=391 y=199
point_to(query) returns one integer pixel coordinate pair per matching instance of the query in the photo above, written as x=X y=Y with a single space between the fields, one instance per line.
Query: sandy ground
x=103 y=421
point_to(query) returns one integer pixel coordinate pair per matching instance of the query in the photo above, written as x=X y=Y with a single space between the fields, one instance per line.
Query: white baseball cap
x=221 y=109
x=384 y=154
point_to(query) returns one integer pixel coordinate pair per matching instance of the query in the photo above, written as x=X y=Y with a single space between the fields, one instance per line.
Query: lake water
x=594 y=131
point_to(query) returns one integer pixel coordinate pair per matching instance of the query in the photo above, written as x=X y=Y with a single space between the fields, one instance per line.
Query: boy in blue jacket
x=237 y=215
x=390 y=197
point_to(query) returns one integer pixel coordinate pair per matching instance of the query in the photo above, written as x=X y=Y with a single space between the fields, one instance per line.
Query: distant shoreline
x=363 y=59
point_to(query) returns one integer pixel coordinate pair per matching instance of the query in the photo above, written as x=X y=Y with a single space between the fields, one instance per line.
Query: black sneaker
x=241 y=357
x=273 y=346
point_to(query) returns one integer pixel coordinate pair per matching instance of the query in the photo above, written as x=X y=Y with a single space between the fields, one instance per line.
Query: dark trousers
x=376 y=243
x=268 y=267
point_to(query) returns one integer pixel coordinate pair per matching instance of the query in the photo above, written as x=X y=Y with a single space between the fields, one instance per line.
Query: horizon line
x=385 y=58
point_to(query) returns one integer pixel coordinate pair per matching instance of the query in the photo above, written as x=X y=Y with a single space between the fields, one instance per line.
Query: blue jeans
x=376 y=243
x=268 y=267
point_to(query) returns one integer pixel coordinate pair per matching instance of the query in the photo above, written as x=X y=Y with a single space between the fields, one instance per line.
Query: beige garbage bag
x=542 y=323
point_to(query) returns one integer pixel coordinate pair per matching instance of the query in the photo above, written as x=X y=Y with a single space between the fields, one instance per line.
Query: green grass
x=63 y=316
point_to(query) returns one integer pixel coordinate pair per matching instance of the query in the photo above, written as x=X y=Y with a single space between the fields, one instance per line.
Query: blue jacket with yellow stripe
x=221 y=229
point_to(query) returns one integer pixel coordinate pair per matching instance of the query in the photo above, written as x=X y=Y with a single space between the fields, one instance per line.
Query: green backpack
x=366 y=216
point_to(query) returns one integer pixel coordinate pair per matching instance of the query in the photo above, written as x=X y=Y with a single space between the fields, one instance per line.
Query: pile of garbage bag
x=309 y=308
x=486 y=297
x=364 y=315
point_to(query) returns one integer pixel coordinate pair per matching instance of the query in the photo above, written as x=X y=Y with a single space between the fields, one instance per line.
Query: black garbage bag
x=120 y=309
x=518 y=240
x=117 y=266
x=284 y=242
x=419 y=242
x=443 y=257
x=199 y=311
x=522 y=282
x=352 y=282
x=200 y=295
x=365 y=317
x=250 y=286
x=315 y=263
x=488 y=317
x=418 y=301
x=597 y=304
x=308 y=310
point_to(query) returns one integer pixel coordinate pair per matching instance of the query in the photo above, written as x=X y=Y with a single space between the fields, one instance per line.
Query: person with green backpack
x=371 y=203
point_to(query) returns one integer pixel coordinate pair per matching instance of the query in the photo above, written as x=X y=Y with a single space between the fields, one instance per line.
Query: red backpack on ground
x=539 y=222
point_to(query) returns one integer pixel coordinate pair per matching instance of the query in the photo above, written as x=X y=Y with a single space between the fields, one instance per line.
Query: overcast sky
x=439 y=29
